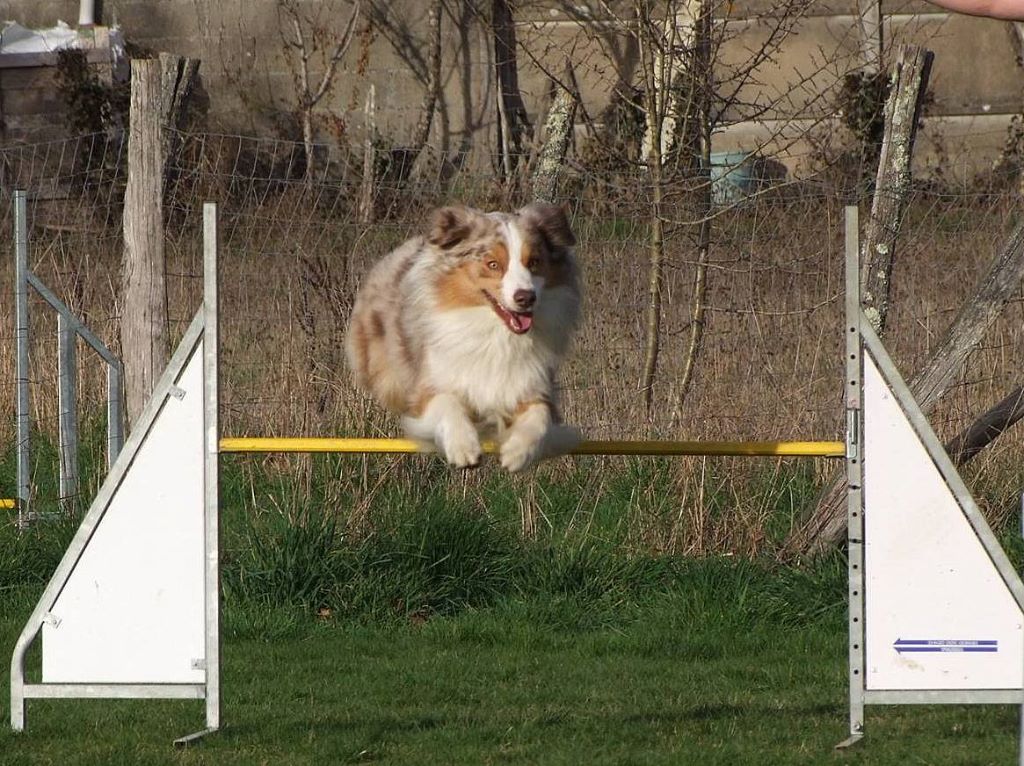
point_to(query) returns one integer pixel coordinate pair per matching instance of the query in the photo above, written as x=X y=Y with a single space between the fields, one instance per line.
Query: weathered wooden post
x=144 y=343
x=159 y=92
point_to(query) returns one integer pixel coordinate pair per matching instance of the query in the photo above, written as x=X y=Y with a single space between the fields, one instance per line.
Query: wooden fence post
x=144 y=342
x=160 y=90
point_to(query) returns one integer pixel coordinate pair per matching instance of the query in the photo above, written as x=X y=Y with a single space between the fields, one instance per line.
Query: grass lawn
x=510 y=684
x=452 y=640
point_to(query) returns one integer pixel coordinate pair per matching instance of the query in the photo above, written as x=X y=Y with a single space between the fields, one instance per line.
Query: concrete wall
x=976 y=83
x=31 y=109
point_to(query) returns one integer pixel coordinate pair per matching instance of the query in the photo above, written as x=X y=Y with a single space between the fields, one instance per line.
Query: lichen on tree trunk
x=558 y=133
x=892 y=184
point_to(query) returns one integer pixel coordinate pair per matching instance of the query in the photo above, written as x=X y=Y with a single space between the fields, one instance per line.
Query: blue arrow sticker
x=902 y=645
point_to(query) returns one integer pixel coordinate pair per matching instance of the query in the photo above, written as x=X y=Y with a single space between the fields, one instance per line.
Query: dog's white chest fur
x=472 y=354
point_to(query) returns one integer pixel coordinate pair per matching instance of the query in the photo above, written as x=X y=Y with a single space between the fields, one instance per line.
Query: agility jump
x=133 y=610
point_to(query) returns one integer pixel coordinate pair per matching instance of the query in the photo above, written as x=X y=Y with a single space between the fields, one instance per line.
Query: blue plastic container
x=733 y=176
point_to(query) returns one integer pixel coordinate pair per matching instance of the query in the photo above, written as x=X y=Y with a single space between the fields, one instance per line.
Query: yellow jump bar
x=7 y=504
x=394 y=446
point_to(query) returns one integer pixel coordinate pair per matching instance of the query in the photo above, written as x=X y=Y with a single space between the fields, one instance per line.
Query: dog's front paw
x=519 y=452
x=462 y=448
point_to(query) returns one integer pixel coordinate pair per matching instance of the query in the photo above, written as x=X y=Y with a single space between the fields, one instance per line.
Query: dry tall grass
x=292 y=255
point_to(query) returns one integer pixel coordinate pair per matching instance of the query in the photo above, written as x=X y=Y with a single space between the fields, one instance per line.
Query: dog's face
x=505 y=261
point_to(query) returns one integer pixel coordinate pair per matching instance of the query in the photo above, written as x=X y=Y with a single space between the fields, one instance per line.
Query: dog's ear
x=451 y=225
x=552 y=223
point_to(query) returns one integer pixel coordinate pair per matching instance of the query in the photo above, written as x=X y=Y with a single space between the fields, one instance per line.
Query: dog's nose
x=524 y=298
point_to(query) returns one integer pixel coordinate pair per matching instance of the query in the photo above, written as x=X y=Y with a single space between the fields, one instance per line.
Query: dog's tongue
x=516 y=321
x=520 y=323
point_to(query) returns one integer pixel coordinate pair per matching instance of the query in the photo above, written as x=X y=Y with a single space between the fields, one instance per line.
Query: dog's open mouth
x=518 y=322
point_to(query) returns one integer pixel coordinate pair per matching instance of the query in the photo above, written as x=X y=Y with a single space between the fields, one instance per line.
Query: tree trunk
x=664 y=70
x=422 y=131
x=558 y=134
x=656 y=270
x=869 y=16
x=144 y=345
x=701 y=114
x=826 y=526
x=512 y=118
x=698 y=308
x=680 y=68
x=908 y=84
x=656 y=238
x=308 y=143
x=368 y=185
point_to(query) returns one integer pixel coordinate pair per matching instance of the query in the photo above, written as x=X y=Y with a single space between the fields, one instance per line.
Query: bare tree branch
x=302 y=48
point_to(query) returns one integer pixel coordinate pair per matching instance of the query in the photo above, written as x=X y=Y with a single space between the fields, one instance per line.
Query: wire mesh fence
x=293 y=251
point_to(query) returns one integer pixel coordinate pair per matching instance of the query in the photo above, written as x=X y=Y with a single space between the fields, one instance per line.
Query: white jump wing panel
x=132 y=610
x=938 y=613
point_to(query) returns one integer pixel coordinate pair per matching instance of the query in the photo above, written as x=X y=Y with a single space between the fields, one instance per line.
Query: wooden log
x=999 y=285
x=987 y=428
x=825 y=527
x=432 y=92
x=869 y=18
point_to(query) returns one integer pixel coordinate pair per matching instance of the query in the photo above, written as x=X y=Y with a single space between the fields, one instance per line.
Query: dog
x=461 y=333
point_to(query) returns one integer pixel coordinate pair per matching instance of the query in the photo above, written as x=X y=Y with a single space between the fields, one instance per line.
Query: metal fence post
x=67 y=397
x=115 y=410
x=21 y=332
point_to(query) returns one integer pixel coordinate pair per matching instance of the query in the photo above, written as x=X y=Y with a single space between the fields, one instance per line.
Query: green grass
x=683 y=679
x=431 y=632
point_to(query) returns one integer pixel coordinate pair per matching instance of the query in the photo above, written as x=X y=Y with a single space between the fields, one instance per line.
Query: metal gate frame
x=69 y=329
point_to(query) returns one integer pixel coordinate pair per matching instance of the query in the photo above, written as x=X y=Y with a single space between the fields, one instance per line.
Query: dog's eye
x=533 y=264
x=493 y=265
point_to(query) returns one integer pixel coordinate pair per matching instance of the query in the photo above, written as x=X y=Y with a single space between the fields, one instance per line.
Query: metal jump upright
x=936 y=609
